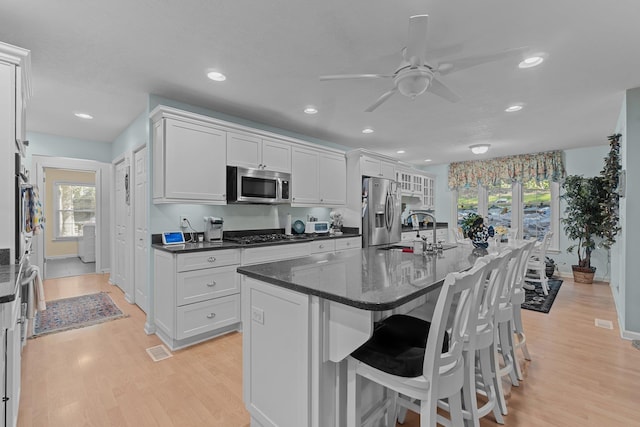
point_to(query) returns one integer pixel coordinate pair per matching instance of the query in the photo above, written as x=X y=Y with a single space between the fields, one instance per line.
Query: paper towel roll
x=287 y=226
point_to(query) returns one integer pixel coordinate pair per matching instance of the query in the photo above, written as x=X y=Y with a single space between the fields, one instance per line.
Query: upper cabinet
x=189 y=160
x=191 y=152
x=251 y=151
x=417 y=186
x=318 y=178
x=377 y=167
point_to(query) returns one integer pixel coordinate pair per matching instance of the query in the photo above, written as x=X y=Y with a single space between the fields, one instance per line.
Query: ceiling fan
x=415 y=75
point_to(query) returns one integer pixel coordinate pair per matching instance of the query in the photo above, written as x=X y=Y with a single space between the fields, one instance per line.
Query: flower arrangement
x=336 y=219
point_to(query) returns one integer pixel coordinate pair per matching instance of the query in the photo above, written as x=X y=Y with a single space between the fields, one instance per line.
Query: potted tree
x=591 y=215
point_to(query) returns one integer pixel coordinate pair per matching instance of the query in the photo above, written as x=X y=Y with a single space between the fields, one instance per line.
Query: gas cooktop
x=264 y=238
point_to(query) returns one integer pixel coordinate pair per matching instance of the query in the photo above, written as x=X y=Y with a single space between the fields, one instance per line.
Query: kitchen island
x=302 y=317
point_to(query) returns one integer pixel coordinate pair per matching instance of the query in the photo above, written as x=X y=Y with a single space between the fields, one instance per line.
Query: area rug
x=536 y=300
x=76 y=312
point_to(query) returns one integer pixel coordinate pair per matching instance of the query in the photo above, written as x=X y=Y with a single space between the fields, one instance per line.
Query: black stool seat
x=397 y=346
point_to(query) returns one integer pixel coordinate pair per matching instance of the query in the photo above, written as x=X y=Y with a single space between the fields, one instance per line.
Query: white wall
x=58 y=146
x=630 y=208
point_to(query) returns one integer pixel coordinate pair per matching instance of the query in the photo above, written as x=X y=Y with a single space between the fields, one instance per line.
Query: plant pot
x=583 y=274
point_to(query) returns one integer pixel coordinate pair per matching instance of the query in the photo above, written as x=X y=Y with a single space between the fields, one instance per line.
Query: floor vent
x=159 y=353
x=606 y=324
x=636 y=344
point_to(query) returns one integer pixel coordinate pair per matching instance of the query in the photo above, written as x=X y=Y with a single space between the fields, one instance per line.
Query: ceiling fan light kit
x=479 y=148
x=415 y=75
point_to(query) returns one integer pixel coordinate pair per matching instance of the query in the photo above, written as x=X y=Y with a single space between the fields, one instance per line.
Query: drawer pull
x=321 y=246
x=212 y=284
x=211 y=315
x=211 y=259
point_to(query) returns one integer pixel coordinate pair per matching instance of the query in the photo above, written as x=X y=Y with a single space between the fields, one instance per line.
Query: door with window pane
x=536 y=205
x=499 y=202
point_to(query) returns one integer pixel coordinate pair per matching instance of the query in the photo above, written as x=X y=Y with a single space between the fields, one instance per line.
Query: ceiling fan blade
x=448 y=67
x=380 y=100
x=416 y=51
x=439 y=88
x=355 y=76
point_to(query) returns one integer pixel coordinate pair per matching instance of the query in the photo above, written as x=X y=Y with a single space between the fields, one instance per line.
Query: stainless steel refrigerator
x=380 y=212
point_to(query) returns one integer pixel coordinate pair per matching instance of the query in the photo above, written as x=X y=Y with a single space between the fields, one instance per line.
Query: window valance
x=522 y=168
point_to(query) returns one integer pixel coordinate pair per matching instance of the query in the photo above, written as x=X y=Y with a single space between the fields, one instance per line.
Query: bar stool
x=516 y=302
x=420 y=360
x=536 y=266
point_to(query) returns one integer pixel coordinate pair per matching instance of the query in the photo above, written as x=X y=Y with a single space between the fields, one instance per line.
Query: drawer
x=200 y=285
x=207 y=259
x=348 y=243
x=207 y=316
x=274 y=253
x=320 y=246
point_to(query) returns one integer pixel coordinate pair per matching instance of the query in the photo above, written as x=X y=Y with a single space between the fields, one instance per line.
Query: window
x=467 y=202
x=536 y=204
x=533 y=207
x=75 y=205
x=499 y=205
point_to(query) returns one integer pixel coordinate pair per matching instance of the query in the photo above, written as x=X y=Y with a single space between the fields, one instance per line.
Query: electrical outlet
x=184 y=222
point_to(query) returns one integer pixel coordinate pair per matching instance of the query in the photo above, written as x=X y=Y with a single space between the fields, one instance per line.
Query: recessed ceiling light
x=216 y=76
x=427 y=160
x=84 y=116
x=310 y=110
x=367 y=130
x=400 y=151
x=479 y=148
x=532 y=61
x=513 y=108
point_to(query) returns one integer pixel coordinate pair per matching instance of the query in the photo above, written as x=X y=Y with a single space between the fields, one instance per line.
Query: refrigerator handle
x=388 y=214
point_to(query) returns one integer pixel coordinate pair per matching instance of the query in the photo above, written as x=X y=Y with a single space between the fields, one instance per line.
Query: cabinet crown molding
x=21 y=57
x=163 y=111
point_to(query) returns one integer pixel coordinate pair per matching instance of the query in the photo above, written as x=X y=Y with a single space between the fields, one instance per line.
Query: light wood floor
x=580 y=375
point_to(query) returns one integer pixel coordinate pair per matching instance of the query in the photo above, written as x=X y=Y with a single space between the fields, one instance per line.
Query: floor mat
x=536 y=300
x=75 y=312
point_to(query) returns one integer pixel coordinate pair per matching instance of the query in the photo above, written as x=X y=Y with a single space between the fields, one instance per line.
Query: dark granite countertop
x=208 y=246
x=8 y=286
x=370 y=279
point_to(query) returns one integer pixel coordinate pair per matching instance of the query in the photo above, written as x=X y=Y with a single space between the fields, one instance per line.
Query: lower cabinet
x=442 y=235
x=11 y=361
x=197 y=295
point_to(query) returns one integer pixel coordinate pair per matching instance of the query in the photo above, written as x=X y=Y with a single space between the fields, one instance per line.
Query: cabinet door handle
x=212 y=284
x=211 y=259
x=348 y=243
x=321 y=246
x=211 y=315
x=264 y=166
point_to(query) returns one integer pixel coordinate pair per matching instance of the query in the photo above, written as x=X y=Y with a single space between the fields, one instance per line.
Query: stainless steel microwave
x=257 y=186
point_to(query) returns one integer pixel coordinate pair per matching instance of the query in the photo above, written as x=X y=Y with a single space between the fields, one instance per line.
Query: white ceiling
x=105 y=57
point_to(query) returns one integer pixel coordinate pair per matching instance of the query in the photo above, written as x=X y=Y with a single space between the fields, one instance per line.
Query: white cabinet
x=318 y=178
x=253 y=151
x=428 y=198
x=10 y=360
x=332 y=179
x=14 y=91
x=197 y=295
x=348 y=243
x=371 y=166
x=189 y=160
x=442 y=235
x=304 y=176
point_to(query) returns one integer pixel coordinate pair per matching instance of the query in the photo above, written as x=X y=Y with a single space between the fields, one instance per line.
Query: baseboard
x=61 y=257
x=629 y=335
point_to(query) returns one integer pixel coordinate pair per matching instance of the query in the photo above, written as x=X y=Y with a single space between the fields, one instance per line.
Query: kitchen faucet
x=416 y=225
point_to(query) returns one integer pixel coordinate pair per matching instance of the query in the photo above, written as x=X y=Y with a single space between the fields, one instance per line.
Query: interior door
x=122 y=252
x=141 y=246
